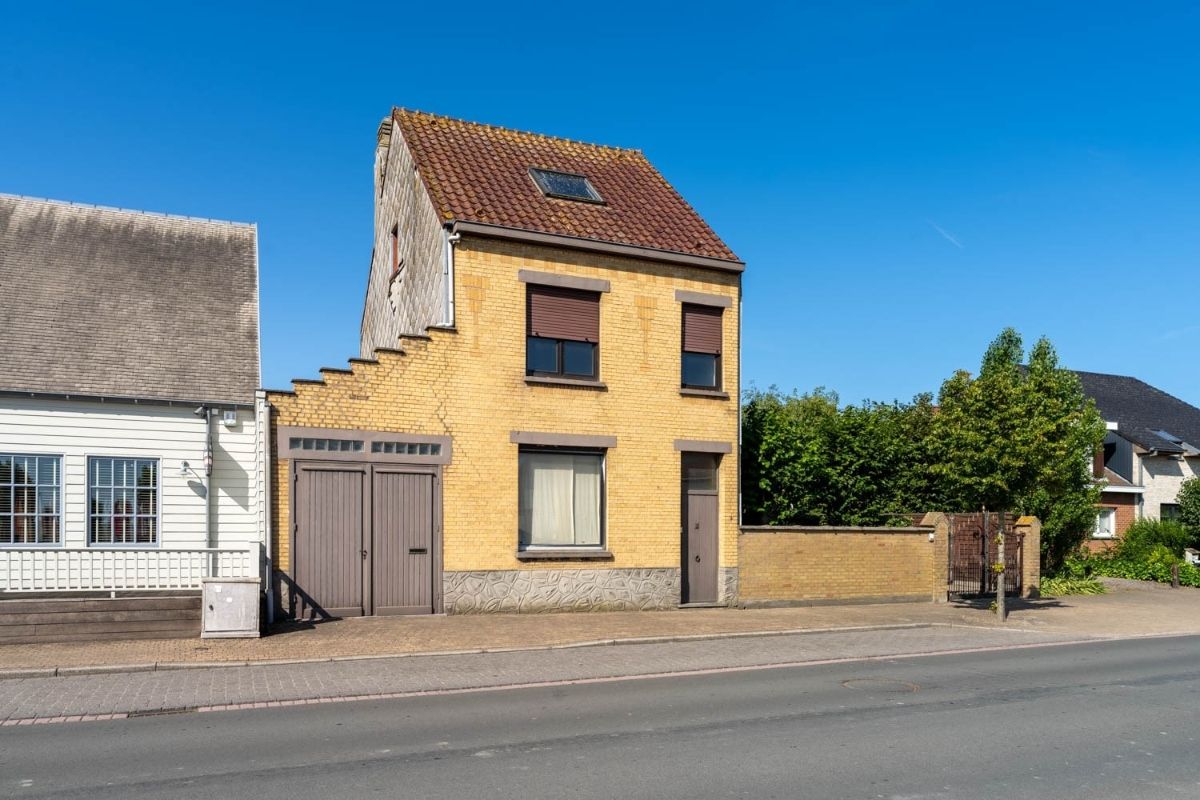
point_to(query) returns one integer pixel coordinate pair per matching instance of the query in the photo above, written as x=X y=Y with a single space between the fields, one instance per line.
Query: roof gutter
x=1123 y=490
x=596 y=246
x=138 y=401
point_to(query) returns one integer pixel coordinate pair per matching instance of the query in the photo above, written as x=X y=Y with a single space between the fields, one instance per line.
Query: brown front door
x=402 y=531
x=699 y=540
x=328 y=547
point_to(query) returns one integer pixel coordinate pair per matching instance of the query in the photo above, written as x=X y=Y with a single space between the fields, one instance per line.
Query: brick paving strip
x=398 y=656
x=72 y=698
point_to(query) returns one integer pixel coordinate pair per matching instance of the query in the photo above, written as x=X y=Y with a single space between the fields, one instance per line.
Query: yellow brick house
x=544 y=412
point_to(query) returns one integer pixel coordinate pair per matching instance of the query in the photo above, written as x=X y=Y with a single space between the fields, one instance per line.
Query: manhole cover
x=881 y=685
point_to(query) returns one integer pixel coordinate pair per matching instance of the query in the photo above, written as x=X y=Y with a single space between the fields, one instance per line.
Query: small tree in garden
x=1064 y=430
x=1189 y=508
x=1018 y=438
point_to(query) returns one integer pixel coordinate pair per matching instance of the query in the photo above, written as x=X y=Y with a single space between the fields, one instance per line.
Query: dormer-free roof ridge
x=477 y=174
x=521 y=131
x=119 y=210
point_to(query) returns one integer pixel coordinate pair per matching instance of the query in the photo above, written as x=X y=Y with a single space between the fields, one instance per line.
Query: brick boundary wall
x=828 y=565
x=819 y=565
x=1031 y=556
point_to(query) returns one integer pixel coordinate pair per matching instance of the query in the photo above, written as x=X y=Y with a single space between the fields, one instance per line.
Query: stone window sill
x=576 y=383
x=562 y=554
x=713 y=393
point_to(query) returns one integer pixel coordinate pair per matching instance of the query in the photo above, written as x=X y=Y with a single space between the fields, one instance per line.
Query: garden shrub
x=1062 y=585
x=1144 y=536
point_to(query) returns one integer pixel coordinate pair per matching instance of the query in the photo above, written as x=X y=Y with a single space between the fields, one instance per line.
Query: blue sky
x=903 y=179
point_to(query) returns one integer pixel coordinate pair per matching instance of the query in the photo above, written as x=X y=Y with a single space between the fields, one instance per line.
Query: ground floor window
x=1106 y=524
x=1168 y=511
x=561 y=498
x=30 y=499
x=123 y=501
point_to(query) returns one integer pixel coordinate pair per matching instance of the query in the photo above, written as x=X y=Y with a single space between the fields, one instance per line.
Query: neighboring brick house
x=1152 y=447
x=544 y=411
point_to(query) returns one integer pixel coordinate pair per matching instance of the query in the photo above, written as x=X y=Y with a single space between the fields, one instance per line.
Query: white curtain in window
x=587 y=500
x=560 y=499
x=550 y=482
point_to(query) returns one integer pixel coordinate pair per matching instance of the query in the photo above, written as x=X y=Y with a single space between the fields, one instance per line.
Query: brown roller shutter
x=702 y=329
x=556 y=313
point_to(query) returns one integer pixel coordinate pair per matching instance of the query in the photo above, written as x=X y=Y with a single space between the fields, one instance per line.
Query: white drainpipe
x=448 y=278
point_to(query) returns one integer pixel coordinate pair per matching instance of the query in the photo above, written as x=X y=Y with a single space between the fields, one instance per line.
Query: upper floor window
x=701 y=346
x=565 y=185
x=122 y=501
x=30 y=499
x=562 y=332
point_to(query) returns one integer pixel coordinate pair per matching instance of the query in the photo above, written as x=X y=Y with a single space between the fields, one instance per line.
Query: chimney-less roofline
x=595 y=246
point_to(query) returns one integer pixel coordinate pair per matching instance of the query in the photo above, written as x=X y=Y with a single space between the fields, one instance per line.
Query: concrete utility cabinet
x=230 y=608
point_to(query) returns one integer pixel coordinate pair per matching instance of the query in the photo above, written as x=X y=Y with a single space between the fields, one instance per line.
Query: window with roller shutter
x=701 y=367
x=562 y=333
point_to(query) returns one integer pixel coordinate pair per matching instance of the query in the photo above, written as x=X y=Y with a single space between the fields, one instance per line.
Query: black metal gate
x=973 y=550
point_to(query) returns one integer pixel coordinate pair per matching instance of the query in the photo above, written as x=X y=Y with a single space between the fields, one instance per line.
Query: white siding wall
x=77 y=429
x=1162 y=476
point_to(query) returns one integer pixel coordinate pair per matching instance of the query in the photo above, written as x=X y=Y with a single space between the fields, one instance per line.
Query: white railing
x=47 y=569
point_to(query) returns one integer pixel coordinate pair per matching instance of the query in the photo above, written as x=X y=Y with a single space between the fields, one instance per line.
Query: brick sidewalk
x=1129 y=609
x=78 y=697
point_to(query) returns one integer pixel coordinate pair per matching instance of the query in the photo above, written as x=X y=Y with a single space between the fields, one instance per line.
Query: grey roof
x=1142 y=411
x=114 y=303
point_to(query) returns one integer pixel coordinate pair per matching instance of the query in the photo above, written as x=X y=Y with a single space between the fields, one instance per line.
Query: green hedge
x=1160 y=571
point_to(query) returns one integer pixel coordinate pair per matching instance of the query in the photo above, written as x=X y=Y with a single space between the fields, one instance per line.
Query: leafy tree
x=1016 y=438
x=1189 y=508
x=1020 y=438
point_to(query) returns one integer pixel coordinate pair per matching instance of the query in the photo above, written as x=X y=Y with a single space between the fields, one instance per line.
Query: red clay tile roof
x=480 y=173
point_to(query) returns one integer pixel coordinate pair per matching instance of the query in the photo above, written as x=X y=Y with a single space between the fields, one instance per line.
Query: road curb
x=164 y=666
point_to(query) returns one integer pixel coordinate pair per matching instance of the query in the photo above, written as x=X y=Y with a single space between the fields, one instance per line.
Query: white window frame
x=58 y=512
x=1109 y=514
x=158 y=503
x=603 y=511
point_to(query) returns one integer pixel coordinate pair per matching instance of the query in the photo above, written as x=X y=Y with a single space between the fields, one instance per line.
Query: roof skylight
x=565 y=185
x=1170 y=437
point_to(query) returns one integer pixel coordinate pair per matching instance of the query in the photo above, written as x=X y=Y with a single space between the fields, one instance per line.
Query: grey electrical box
x=230 y=608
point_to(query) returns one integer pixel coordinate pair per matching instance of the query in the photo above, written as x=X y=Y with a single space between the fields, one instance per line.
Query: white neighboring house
x=1153 y=442
x=132 y=449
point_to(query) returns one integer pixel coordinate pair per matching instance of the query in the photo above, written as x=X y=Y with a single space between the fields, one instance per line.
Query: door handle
x=364 y=555
x=697 y=559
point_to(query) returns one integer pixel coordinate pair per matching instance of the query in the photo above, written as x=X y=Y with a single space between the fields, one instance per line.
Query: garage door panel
x=329 y=538
x=402 y=532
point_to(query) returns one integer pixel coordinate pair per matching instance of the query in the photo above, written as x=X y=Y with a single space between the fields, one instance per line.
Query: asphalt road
x=1105 y=720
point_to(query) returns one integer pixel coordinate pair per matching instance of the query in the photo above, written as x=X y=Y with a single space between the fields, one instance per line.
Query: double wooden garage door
x=363 y=541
